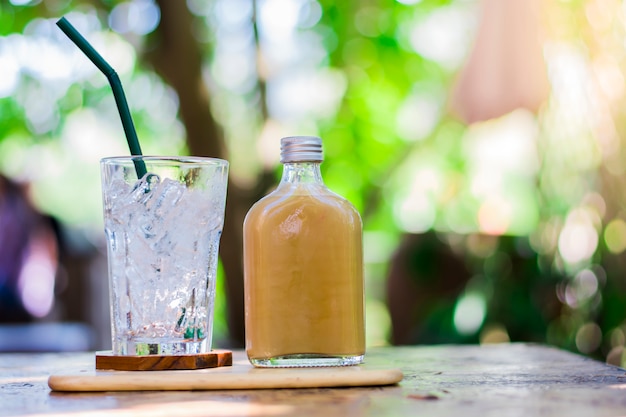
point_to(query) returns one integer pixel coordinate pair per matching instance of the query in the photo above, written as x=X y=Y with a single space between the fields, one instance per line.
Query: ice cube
x=143 y=190
x=166 y=196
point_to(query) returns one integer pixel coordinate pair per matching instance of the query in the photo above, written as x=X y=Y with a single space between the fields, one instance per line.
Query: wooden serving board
x=241 y=375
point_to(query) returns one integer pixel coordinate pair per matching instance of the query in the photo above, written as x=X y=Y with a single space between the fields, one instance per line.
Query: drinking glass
x=163 y=232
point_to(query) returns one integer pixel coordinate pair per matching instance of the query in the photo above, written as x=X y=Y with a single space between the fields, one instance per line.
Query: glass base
x=306 y=360
x=142 y=347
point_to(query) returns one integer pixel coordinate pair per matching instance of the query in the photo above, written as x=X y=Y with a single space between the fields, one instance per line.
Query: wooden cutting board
x=241 y=375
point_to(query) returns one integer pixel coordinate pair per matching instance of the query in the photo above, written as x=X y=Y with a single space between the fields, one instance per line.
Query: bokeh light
x=469 y=313
x=137 y=16
x=615 y=236
x=442 y=35
x=579 y=238
x=494 y=333
x=588 y=337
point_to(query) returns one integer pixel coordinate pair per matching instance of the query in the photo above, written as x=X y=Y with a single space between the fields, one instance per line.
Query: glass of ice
x=163 y=234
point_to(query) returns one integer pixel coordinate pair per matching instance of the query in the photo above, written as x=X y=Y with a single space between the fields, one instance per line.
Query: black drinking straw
x=116 y=86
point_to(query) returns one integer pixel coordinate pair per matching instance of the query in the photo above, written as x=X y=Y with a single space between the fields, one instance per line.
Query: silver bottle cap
x=301 y=149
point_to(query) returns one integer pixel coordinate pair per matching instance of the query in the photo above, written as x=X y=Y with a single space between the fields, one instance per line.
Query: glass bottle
x=303 y=269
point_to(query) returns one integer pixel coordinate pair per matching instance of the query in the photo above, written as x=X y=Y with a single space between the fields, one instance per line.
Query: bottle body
x=303 y=278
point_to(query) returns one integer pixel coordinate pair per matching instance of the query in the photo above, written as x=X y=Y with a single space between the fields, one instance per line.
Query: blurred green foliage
x=377 y=82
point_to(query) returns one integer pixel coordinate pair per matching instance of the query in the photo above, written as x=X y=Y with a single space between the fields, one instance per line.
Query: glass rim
x=184 y=160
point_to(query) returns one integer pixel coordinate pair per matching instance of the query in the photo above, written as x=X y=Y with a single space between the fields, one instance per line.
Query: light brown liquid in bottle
x=303 y=276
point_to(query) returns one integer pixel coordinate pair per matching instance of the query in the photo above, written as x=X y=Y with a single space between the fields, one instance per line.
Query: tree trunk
x=177 y=57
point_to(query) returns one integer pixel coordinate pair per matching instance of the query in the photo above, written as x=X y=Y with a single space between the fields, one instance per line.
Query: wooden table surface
x=493 y=380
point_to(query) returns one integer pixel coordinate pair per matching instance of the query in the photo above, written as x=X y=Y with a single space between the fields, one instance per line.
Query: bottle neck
x=302 y=173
